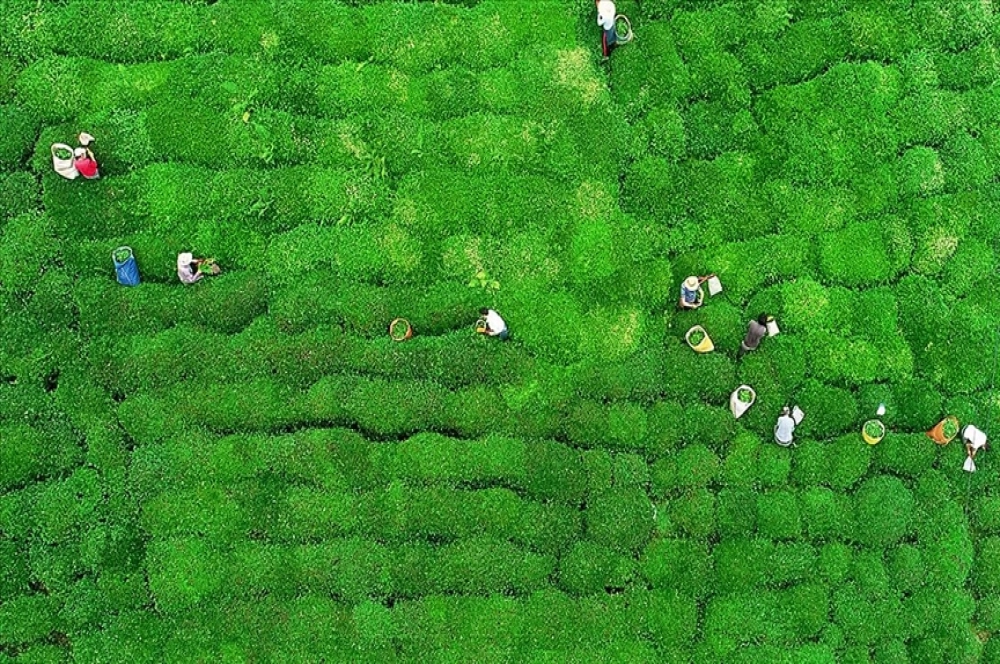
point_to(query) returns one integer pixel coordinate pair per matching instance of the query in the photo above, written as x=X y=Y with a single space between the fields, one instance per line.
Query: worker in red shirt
x=84 y=162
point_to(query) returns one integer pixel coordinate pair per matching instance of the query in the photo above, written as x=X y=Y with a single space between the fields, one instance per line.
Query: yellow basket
x=703 y=346
x=871 y=440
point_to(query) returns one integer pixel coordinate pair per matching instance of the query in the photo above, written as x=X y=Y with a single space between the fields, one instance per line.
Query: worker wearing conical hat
x=692 y=294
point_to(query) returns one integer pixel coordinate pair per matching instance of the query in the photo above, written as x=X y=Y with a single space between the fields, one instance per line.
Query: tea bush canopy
x=251 y=469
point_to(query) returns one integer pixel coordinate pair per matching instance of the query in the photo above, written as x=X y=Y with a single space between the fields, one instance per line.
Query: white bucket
x=772 y=327
x=739 y=407
x=714 y=285
x=63 y=166
x=797 y=415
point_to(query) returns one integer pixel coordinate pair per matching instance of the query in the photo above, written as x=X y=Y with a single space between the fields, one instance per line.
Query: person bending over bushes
x=491 y=324
x=785 y=428
x=85 y=164
x=975 y=440
x=606 y=19
x=692 y=294
x=190 y=269
x=755 y=332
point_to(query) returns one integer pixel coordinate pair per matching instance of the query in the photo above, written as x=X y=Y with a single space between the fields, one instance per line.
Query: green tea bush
x=589 y=569
x=665 y=133
x=920 y=172
x=791 y=562
x=30 y=453
x=20 y=193
x=619 y=519
x=741 y=564
x=652 y=72
x=778 y=515
x=713 y=129
x=883 y=512
x=802 y=50
x=677 y=564
x=825 y=514
x=27 y=618
x=694 y=513
x=18 y=127
x=869 y=574
x=736 y=513
x=849 y=461
x=905 y=454
x=883 y=33
x=966 y=163
x=828 y=410
x=959 y=26
x=985 y=572
x=854 y=256
x=183 y=573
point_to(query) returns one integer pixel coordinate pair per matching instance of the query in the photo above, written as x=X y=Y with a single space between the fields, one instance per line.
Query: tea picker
x=692 y=294
x=71 y=163
x=492 y=325
x=785 y=427
x=756 y=330
x=190 y=269
x=974 y=440
x=615 y=28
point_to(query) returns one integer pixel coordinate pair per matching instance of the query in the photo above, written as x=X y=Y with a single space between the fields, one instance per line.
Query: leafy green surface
x=251 y=469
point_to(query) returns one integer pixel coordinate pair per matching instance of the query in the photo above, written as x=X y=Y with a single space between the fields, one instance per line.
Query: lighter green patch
x=573 y=71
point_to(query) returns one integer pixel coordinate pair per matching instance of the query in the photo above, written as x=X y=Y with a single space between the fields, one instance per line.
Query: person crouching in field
x=190 y=269
x=491 y=324
x=692 y=294
x=85 y=164
x=755 y=332
x=606 y=19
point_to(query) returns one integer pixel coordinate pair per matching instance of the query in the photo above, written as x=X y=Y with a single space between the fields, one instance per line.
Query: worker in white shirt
x=975 y=440
x=606 y=19
x=492 y=325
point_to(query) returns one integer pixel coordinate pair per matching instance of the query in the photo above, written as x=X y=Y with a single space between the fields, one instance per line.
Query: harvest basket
x=873 y=431
x=772 y=327
x=699 y=340
x=944 y=431
x=623 y=27
x=400 y=329
x=210 y=267
x=62 y=161
x=741 y=399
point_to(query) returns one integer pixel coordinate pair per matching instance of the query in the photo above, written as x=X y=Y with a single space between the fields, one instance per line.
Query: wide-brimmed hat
x=691 y=283
x=79 y=152
x=185 y=259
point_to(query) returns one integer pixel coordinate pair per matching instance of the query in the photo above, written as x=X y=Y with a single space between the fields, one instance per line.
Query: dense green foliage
x=249 y=469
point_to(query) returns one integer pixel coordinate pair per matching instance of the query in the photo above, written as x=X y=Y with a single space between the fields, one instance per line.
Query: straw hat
x=691 y=283
x=185 y=259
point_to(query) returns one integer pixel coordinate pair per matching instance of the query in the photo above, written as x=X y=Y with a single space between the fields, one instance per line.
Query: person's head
x=484 y=311
x=762 y=319
x=786 y=410
x=80 y=152
x=185 y=259
x=692 y=283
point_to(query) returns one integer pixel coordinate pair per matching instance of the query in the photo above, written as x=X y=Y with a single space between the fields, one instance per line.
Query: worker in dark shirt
x=755 y=332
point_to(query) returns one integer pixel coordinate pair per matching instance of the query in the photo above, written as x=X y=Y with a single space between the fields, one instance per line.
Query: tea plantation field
x=249 y=469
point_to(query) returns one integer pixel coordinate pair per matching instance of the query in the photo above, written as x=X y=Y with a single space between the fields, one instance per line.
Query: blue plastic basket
x=127 y=271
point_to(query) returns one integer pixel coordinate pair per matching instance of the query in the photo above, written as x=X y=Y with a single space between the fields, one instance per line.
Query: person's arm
x=701 y=295
x=970 y=450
